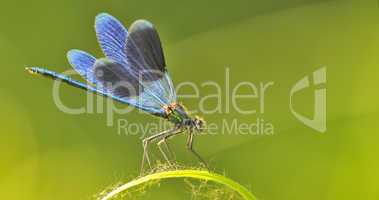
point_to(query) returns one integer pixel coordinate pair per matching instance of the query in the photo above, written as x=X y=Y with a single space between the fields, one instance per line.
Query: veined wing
x=145 y=55
x=144 y=50
x=140 y=53
x=123 y=90
x=134 y=69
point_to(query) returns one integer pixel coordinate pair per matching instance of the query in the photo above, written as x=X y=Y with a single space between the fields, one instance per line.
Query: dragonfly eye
x=199 y=123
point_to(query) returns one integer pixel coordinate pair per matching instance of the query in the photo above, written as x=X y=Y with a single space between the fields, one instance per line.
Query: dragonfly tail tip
x=30 y=70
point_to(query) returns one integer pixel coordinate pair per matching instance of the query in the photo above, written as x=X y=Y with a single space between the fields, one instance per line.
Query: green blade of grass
x=195 y=174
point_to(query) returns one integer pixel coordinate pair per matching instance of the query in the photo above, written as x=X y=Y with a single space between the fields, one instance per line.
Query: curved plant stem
x=196 y=174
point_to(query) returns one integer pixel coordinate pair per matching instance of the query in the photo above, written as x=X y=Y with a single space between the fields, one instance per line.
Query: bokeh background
x=47 y=154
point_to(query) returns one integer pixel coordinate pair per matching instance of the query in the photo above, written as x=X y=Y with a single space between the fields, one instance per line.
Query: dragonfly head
x=198 y=124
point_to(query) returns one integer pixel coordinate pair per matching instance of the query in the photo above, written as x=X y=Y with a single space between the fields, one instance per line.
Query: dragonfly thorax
x=177 y=114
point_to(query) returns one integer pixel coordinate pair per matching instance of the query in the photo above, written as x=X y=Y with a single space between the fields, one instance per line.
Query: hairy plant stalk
x=195 y=174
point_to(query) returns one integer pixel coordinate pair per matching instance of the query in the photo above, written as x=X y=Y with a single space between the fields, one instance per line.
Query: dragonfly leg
x=192 y=150
x=168 y=148
x=147 y=141
x=159 y=144
x=163 y=140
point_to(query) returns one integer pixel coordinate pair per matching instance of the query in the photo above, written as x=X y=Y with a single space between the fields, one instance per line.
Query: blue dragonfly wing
x=83 y=63
x=144 y=50
x=149 y=101
x=114 y=80
x=118 y=81
x=111 y=35
x=163 y=89
x=153 y=90
x=146 y=58
x=139 y=59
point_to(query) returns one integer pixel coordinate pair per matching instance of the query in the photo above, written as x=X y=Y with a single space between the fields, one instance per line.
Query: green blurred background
x=47 y=154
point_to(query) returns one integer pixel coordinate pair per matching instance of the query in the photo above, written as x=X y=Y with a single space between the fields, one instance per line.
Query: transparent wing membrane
x=134 y=68
x=83 y=63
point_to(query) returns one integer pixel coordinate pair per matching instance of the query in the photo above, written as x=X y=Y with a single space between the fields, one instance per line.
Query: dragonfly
x=134 y=73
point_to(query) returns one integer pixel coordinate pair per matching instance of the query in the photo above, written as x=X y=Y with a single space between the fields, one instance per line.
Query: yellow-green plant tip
x=190 y=173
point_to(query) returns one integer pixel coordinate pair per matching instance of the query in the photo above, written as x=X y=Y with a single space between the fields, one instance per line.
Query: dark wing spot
x=144 y=50
x=116 y=79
